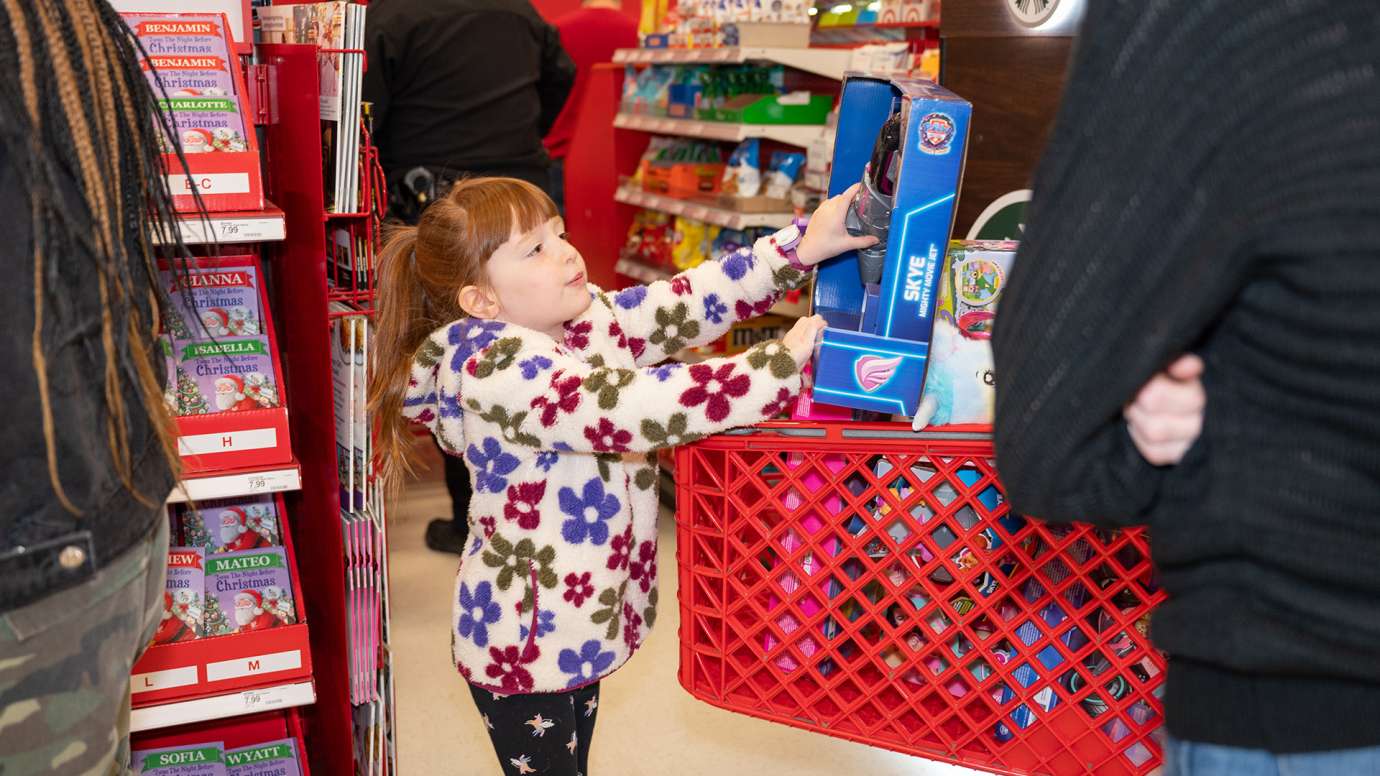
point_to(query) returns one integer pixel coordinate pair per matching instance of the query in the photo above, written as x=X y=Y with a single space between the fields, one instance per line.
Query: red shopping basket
x=868 y=582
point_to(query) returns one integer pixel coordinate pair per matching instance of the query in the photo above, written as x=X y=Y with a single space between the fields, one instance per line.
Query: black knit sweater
x=1212 y=184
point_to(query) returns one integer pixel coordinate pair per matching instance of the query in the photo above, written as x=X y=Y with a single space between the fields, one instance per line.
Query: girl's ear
x=479 y=302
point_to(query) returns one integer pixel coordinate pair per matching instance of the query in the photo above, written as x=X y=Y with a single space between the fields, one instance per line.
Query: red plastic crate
x=870 y=583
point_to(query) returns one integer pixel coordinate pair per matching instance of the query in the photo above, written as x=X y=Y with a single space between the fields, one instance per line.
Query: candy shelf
x=252 y=226
x=709 y=213
x=830 y=63
x=241 y=482
x=801 y=135
x=233 y=704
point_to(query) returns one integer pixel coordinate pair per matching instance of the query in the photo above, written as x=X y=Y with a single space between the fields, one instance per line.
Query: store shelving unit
x=830 y=63
x=791 y=134
x=710 y=213
x=234 y=704
x=232 y=484
x=254 y=226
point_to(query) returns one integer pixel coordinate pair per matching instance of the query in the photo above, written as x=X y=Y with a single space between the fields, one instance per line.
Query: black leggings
x=543 y=733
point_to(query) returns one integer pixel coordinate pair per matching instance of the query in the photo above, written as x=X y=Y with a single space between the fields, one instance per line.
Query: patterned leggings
x=541 y=733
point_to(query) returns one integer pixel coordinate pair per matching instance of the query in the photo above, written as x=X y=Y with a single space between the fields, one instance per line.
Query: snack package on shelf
x=650 y=238
x=231 y=525
x=743 y=177
x=248 y=591
x=183 y=596
x=204 y=759
x=785 y=170
x=693 y=242
x=960 y=386
x=271 y=758
x=684 y=168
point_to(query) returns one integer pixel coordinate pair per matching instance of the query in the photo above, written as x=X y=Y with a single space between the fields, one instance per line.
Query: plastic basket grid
x=878 y=589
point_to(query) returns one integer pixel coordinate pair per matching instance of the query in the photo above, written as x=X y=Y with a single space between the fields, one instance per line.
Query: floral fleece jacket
x=559 y=587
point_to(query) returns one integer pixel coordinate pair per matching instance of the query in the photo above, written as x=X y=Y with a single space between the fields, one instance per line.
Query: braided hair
x=76 y=110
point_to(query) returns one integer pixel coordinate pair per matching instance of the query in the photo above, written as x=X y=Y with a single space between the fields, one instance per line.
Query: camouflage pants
x=65 y=662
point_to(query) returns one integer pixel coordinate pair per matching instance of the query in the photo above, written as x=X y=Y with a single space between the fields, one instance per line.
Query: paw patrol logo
x=936 y=134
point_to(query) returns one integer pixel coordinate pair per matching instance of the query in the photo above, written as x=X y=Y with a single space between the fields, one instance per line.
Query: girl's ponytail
x=420 y=273
x=400 y=326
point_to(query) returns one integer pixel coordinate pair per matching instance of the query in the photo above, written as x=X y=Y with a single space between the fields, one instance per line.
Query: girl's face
x=539 y=279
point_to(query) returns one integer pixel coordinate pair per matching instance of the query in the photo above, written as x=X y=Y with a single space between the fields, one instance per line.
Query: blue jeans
x=1186 y=758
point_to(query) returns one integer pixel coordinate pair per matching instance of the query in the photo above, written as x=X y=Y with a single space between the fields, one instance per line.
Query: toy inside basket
x=870 y=583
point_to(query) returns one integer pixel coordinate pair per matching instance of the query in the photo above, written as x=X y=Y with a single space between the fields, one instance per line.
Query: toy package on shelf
x=650 y=238
x=199 y=83
x=716 y=23
x=338 y=29
x=683 y=168
x=222 y=364
x=960 y=384
x=692 y=242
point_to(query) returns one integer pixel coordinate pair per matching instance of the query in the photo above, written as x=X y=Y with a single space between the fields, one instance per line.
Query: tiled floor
x=648 y=725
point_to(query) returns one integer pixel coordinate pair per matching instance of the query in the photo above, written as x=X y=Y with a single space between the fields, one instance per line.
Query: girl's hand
x=800 y=340
x=826 y=238
x=1167 y=415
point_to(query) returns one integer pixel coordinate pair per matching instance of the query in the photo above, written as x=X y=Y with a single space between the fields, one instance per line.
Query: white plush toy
x=959 y=387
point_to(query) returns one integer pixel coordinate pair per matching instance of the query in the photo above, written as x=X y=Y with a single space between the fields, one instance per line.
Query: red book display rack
x=220 y=665
x=235 y=733
x=866 y=582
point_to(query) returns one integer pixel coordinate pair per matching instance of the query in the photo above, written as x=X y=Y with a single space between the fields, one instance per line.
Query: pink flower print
x=508 y=667
x=715 y=388
x=622 y=547
x=643 y=570
x=577 y=335
x=746 y=311
x=632 y=623
x=680 y=285
x=783 y=403
x=489 y=524
x=578 y=588
x=522 y=504
x=563 y=396
x=608 y=438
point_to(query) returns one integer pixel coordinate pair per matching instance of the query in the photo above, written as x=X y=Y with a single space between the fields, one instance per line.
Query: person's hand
x=826 y=238
x=800 y=340
x=1167 y=415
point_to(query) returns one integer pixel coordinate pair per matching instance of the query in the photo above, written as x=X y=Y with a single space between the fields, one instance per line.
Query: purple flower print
x=471 y=336
x=589 y=513
x=478 y=611
x=736 y=264
x=491 y=465
x=714 y=309
x=631 y=297
x=587 y=664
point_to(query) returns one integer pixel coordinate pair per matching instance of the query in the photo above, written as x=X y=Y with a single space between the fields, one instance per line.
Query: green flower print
x=613 y=608
x=774 y=355
x=429 y=354
x=674 y=328
x=649 y=614
x=789 y=278
x=670 y=435
x=606 y=461
x=496 y=357
x=511 y=425
x=513 y=560
x=607 y=383
x=645 y=478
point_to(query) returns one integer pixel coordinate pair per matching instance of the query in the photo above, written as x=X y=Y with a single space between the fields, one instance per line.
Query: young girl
x=558 y=395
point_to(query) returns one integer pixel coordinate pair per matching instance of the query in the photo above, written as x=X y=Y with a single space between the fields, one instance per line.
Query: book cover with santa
x=272 y=758
x=182 y=596
x=231 y=525
x=233 y=374
x=204 y=759
x=248 y=591
x=189 y=56
x=213 y=299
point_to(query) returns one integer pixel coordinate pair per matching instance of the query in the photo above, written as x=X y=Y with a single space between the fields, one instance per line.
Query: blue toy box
x=875 y=351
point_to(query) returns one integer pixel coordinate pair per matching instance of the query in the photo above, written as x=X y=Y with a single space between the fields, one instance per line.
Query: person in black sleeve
x=460 y=88
x=1212 y=188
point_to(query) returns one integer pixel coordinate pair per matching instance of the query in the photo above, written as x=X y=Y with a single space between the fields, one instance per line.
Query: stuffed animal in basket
x=959 y=387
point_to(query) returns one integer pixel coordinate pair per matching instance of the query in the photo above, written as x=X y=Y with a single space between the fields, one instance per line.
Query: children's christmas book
x=213 y=298
x=182 y=596
x=190 y=67
x=206 y=759
x=248 y=591
x=274 y=758
x=232 y=374
x=232 y=525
